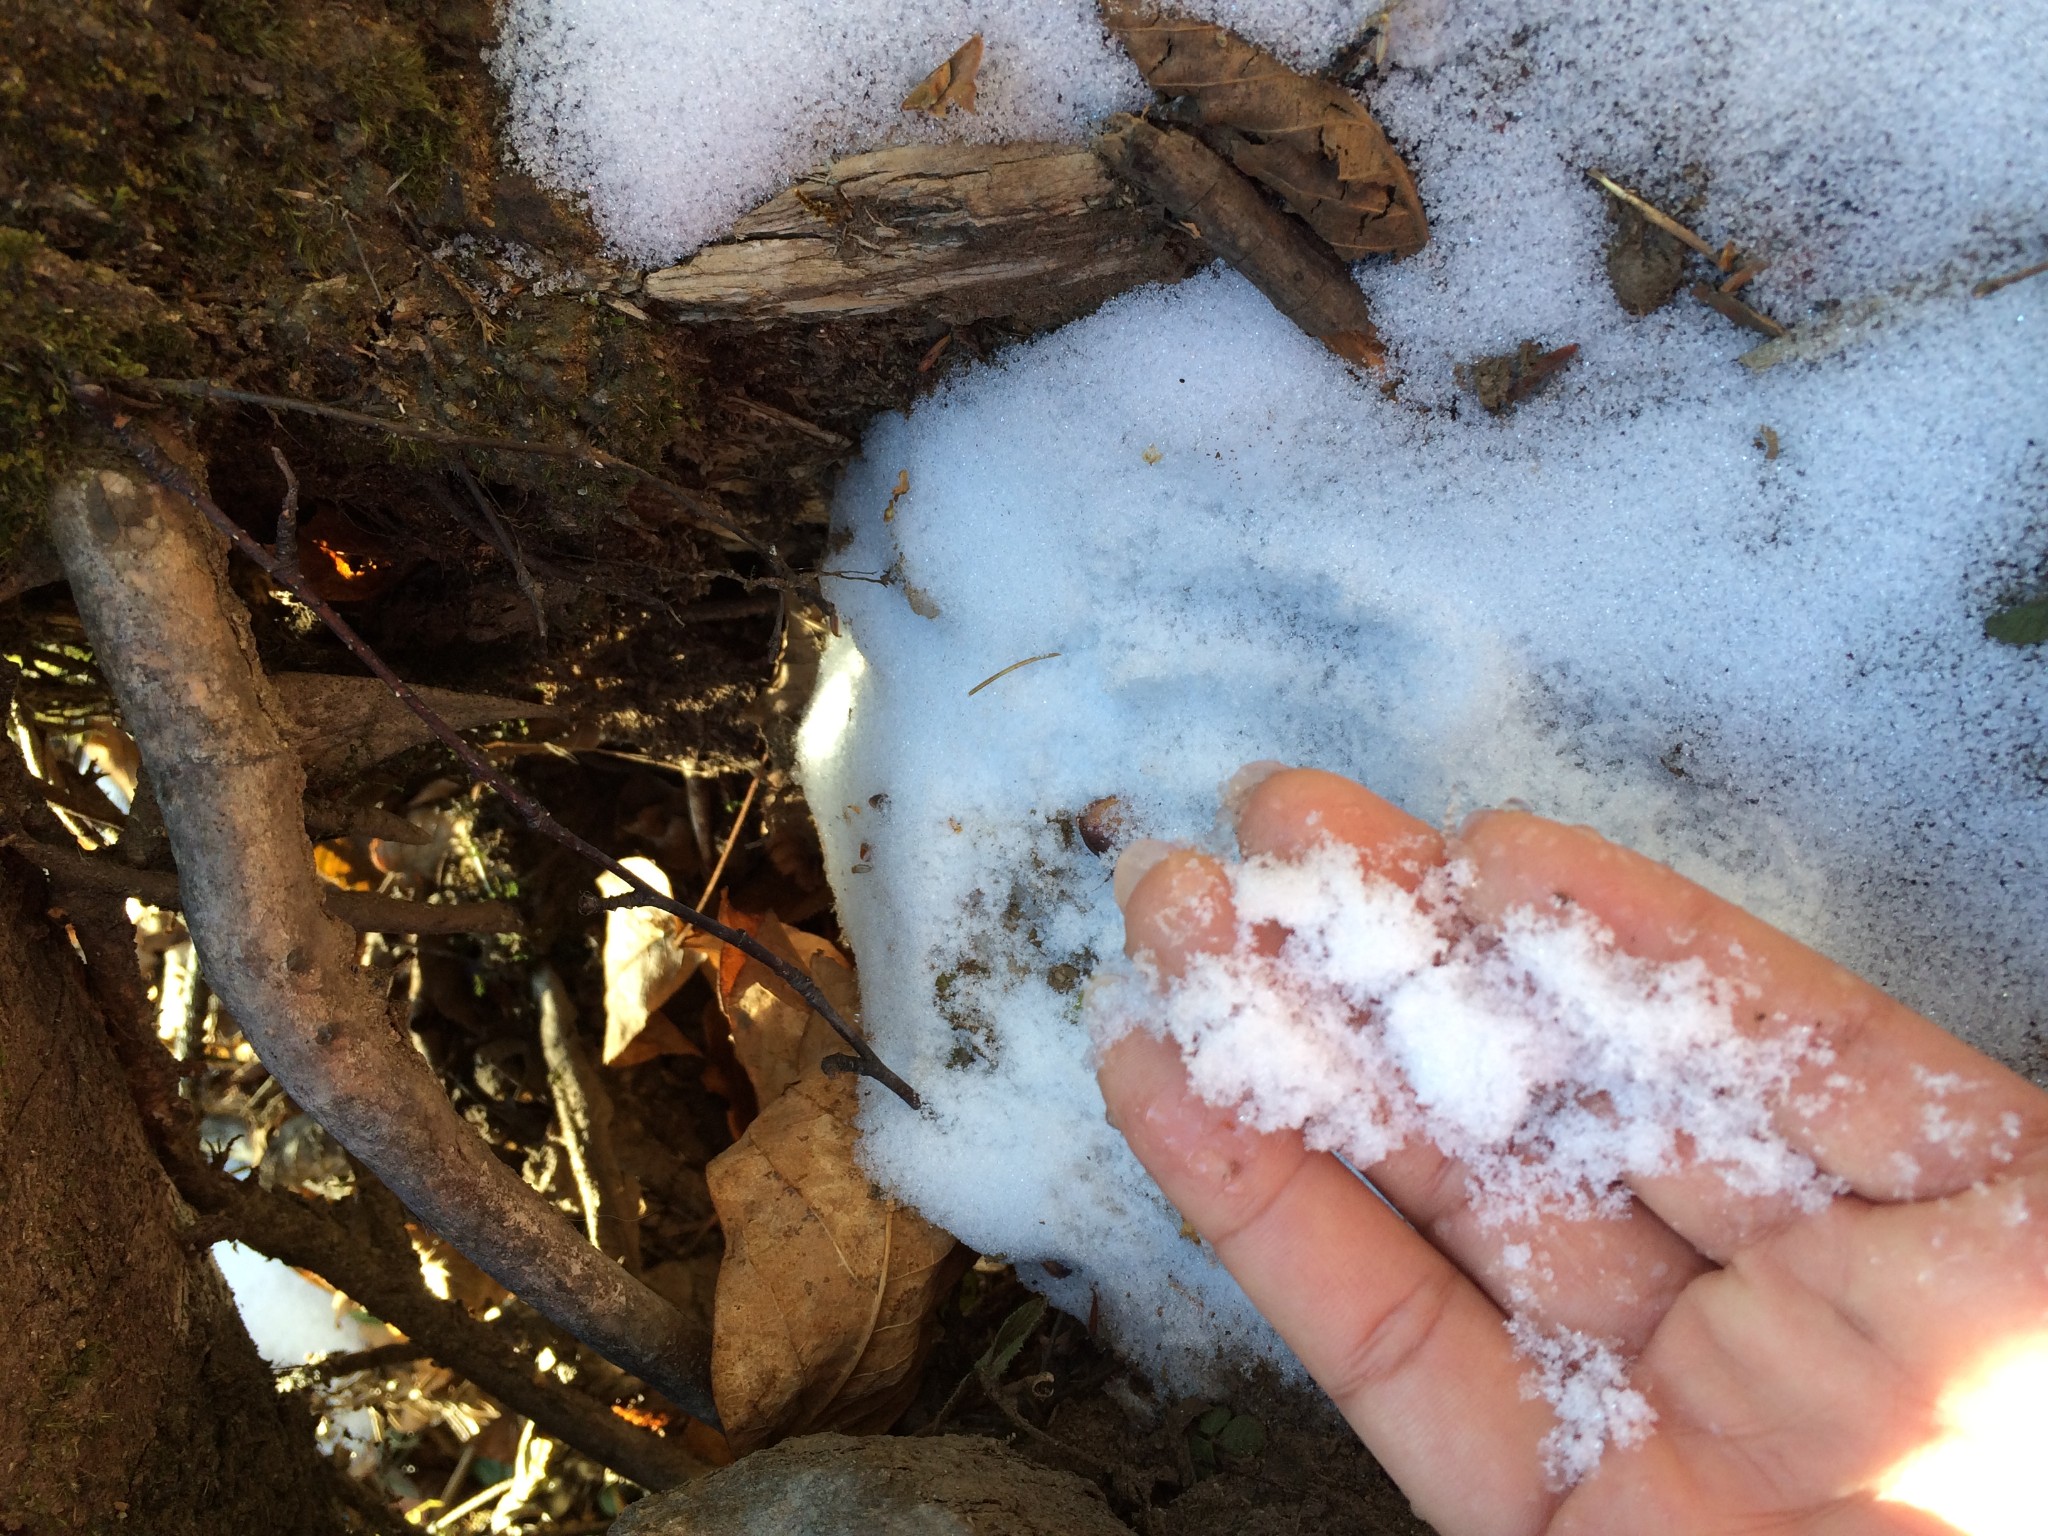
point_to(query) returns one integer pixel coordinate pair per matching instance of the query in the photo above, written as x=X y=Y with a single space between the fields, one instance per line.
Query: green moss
x=60 y=317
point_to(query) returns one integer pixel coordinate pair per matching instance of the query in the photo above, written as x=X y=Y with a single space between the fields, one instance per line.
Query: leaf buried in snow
x=1306 y=139
x=775 y=1035
x=2019 y=624
x=950 y=85
x=826 y=1294
x=647 y=957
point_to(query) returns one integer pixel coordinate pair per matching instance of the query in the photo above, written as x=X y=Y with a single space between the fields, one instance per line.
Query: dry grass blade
x=1304 y=138
x=826 y=1295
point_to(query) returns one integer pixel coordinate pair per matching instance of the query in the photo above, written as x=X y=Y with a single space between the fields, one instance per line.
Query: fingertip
x=1288 y=812
x=1181 y=906
x=1138 y=1071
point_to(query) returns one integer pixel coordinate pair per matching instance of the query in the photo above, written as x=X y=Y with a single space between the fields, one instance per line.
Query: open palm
x=1796 y=1359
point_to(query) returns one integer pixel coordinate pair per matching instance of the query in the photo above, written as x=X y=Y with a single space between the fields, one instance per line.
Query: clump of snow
x=1585 y=1381
x=673 y=117
x=1553 y=1066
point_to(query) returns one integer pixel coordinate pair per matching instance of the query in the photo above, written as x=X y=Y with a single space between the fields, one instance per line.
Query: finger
x=1415 y=1358
x=1892 y=1104
x=1613 y=1276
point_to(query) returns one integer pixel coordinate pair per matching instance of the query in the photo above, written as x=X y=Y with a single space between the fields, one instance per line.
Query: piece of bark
x=1284 y=259
x=826 y=1294
x=1505 y=379
x=150 y=579
x=364 y=911
x=1304 y=138
x=341 y=725
x=1035 y=233
x=583 y=1111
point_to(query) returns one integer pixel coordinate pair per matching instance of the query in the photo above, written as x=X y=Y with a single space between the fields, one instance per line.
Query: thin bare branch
x=698 y=508
x=365 y=911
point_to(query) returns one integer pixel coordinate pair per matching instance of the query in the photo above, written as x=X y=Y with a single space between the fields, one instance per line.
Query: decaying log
x=1037 y=233
x=1285 y=259
x=150 y=579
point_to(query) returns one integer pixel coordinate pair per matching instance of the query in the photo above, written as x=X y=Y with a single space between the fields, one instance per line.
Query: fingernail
x=1134 y=864
x=1239 y=786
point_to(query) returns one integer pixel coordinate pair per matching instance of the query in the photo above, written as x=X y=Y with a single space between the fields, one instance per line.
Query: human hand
x=1798 y=1359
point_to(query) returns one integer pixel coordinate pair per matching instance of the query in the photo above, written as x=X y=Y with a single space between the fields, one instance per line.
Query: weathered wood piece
x=1038 y=233
x=1287 y=261
x=1305 y=138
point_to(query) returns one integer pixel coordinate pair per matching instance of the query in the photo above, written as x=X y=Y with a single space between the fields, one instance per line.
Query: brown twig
x=863 y=1060
x=698 y=508
x=364 y=911
x=1991 y=285
x=583 y=1110
x=359 y=1247
x=732 y=838
x=1655 y=215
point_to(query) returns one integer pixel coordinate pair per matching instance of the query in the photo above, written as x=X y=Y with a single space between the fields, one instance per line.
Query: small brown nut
x=1103 y=824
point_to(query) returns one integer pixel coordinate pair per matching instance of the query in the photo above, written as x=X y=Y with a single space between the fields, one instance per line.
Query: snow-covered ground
x=1610 y=605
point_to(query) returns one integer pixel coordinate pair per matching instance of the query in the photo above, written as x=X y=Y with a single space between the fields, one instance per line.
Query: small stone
x=828 y=1485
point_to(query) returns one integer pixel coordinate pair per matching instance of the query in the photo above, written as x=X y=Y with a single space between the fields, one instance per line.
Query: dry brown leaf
x=950 y=85
x=775 y=1035
x=648 y=955
x=1304 y=138
x=825 y=1299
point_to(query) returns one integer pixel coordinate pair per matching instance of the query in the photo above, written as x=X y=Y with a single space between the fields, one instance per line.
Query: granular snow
x=1585 y=1381
x=1553 y=1066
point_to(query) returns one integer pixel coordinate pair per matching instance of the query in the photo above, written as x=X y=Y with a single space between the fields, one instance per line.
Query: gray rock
x=837 y=1485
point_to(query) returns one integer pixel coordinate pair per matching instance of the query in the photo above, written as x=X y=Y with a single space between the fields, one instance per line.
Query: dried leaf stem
x=145 y=452
x=1654 y=214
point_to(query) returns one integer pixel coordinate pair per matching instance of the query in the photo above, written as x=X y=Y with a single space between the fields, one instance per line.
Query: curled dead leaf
x=775 y=1035
x=648 y=955
x=1305 y=139
x=826 y=1295
x=950 y=85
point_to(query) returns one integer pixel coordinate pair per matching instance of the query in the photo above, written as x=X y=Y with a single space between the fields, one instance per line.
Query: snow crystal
x=1585 y=1381
x=1551 y=1065
x=1610 y=605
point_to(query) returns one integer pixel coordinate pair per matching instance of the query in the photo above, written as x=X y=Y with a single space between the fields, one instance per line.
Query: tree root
x=151 y=585
x=362 y=1251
